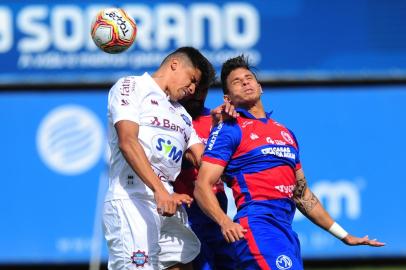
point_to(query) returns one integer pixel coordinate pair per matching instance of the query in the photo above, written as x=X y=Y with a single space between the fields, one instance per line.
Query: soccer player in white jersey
x=149 y=132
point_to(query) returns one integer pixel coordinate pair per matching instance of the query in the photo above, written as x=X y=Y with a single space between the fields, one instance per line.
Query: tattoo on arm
x=305 y=202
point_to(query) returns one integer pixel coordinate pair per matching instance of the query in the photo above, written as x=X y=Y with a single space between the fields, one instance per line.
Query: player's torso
x=263 y=165
x=165 y=130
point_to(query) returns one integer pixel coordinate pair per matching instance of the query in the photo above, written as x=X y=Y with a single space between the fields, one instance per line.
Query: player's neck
x=257 y=110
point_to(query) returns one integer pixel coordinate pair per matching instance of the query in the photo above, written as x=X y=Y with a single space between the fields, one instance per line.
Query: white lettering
x=200 y=13
x=144 y=19
x=171 y=25
x=214 y=136
x=61 y=16
x=28 y=22
x=6 y=30
x=249 y=17
x=336 y=195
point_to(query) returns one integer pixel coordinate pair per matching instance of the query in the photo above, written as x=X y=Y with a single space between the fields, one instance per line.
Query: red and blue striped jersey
x=260 y=157
x=184 y=183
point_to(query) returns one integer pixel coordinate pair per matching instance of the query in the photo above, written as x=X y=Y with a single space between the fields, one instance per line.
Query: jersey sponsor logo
x=214 y=135
x=272 y=141
x=283 y=152
x=154 y=102
x=186 y=119
x=139 y=258
x=127 y=86
x=166 y=150
x=269 y=140
x=287 y=137
x=166 y=123
x=246 y=123
x=283 y=262
x=286 y=189
x=162 y=176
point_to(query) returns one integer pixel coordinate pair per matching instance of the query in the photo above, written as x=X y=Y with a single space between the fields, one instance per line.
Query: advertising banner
x=49 y=41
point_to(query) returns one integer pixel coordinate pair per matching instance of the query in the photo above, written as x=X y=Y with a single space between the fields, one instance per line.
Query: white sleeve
x=193 y=138
x=124 y=100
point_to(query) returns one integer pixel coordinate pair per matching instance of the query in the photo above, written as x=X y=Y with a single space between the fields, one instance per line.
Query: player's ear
x=260 y=89
x=174 y=64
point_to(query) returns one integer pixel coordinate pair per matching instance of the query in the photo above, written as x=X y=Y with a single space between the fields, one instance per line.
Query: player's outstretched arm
x=310 y=206
x=135 y=156
x=208 y=175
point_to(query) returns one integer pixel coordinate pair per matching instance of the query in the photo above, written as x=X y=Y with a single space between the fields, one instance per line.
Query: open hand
x=356 y=241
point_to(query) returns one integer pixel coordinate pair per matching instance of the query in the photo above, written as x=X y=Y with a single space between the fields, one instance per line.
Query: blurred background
x=332 y=71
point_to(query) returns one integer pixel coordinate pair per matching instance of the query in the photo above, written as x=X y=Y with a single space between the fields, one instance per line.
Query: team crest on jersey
x=283 y=262
x=287 y=137
x=186 y=119
x=139 y=258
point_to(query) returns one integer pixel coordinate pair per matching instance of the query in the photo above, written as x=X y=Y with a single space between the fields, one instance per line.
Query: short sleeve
x=297 y=159
x=222 y=143
x=124 y=100
x=193 y=138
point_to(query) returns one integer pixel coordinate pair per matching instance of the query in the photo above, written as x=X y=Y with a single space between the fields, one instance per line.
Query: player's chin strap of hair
x=337 y=231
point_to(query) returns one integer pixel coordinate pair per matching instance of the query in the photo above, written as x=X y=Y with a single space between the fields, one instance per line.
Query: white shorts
x=139 y=238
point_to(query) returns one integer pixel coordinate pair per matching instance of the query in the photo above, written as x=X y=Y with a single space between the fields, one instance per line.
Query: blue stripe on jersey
x=243 y=187
x=261 y=158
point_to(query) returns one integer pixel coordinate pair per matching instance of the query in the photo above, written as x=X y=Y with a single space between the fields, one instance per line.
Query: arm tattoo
x=305 y=203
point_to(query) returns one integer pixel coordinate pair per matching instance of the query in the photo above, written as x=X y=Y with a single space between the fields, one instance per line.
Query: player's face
x=243 y=87
x=184 y=81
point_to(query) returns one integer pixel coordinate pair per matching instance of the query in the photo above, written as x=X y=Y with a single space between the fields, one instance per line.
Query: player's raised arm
x=310 y=206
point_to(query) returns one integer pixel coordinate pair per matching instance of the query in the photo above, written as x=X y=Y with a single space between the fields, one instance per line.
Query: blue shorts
x=270 y=242
x=215 y=252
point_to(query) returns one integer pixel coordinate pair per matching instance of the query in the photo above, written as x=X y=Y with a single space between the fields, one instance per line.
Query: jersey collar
x=152 y=83
x=247 y=114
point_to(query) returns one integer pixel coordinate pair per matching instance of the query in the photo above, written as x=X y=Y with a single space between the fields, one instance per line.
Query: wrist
x=337 y=231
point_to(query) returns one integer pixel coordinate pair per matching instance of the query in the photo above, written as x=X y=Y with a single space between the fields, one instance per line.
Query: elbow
x=125 y=147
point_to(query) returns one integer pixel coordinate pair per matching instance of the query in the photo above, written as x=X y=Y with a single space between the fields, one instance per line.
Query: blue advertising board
x=49 y=41
x=54 y=164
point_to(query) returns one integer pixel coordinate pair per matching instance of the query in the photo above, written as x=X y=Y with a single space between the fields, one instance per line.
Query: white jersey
x=165 y=132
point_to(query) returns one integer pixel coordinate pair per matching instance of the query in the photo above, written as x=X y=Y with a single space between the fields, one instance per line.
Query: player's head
x=194 y=104
x=187 y=69
x=239 y=82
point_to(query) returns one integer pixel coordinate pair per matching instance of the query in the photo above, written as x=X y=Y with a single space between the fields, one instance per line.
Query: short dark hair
x=231 y=64
x=199 y=61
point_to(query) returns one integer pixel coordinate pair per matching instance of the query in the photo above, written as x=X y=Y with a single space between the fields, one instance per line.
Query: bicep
x=126 y=130
x=209 y=173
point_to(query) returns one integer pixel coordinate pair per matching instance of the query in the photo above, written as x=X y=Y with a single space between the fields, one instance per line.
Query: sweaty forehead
x=239 y=73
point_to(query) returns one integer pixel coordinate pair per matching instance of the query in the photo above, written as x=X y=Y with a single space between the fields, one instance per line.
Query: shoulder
x=286 y=133
x=126 y=85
